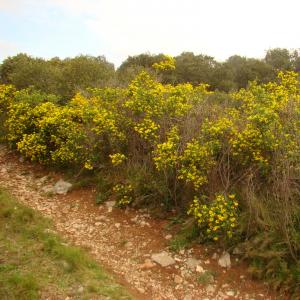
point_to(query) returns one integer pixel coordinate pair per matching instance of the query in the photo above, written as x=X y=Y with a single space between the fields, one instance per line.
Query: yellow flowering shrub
x=167 y=64
x=6 y=96
x=124 y=194
x=178 y=141
x=216 y=218
x=196 y=161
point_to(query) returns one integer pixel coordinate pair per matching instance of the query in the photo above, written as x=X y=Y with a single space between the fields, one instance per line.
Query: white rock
x=199 y=269
x=192 y=263
x=224 y=260
x=110 y=205
x=163 y=259
x=230 y=293
x=168 y=237
x=62 y=187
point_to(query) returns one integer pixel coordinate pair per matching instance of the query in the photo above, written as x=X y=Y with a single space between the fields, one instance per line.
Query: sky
x=119 y=28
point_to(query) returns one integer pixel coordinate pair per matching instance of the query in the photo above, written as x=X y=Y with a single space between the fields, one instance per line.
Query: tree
x=133 y=65
x=194 y=68
x=55 y=76
x=279 y=59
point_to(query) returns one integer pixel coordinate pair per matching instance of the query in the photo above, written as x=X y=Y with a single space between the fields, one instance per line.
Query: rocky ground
x=129 y=243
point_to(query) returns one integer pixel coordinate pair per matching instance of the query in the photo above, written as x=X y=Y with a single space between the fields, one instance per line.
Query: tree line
x=64 y=77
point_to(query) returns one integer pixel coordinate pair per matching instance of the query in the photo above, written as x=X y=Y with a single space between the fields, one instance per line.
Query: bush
x=170 y=144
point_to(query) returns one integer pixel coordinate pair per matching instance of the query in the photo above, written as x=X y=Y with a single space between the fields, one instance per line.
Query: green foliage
x=124 y=194
x=206 y=278
x=165 y=145
x=62 y=78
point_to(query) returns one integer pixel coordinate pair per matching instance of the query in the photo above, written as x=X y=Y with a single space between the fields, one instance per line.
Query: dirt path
x=123 y=241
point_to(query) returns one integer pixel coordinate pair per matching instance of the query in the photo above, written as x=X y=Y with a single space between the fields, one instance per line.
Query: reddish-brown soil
x=121 y=241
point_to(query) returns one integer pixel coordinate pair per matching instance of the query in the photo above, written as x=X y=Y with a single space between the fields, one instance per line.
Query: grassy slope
x=35 y=263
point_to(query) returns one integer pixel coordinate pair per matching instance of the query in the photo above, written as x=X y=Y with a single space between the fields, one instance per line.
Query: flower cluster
x=166 y=154
x=117 y=158
x=124 y=194
x=216 y=218
x=196 y=161
x=167 y=64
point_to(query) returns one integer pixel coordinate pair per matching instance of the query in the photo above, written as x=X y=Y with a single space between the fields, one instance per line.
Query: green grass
x=36 y=264
x=184 y=238
x=207 y=277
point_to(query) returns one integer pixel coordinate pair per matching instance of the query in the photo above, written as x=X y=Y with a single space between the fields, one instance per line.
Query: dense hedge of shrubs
x=231 y=161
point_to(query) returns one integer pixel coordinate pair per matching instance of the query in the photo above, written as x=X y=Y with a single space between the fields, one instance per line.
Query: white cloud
x=216 y=27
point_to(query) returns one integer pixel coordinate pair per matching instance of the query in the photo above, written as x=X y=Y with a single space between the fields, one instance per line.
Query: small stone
x=230 y=293
x=42 y=180
x=199 y=269
x=61 y=187
x=210 y=289
x=224 y=260
x=80 y=290
x=183 y=272
x=237 y=251
x=148 y=264
x=3 y=170
x=21 y=159
x=110 y=205
x=141 y=290
x=181 y=252
x=192 y=263
x=215 y=256
x=178 y=279
x=48 y=189
x=117 y=225
x=100 y=218
x=168 y=237
x=163 y=259
x=129 y=245
x=97 y=223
